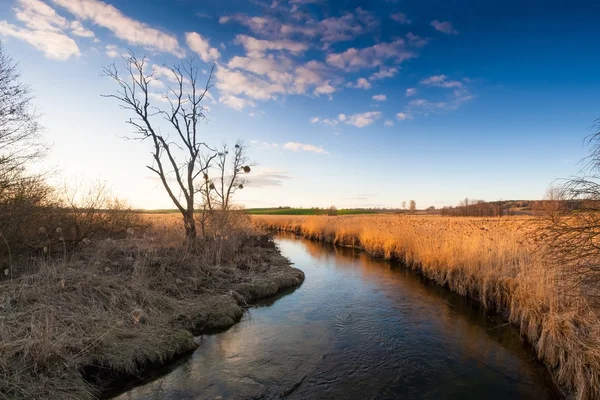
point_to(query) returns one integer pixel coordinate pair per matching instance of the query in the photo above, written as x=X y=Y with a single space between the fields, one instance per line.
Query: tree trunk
x=190 y=227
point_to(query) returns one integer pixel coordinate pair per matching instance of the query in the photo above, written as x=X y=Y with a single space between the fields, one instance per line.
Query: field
x=495 y=260
x=304 y=211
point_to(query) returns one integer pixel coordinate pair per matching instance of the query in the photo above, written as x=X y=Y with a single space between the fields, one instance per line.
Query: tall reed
x=492 y=260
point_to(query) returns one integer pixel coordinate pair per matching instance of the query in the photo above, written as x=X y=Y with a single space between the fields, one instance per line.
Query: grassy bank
x=492 y=260
x=72 y=324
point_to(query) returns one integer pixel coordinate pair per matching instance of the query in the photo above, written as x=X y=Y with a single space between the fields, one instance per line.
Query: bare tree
x=177 y=155
x=20 y=138
x=230 y=169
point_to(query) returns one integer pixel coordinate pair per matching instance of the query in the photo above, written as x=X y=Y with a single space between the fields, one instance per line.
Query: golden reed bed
x=496 y=261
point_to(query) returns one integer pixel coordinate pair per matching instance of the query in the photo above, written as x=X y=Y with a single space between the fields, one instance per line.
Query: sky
x=347 y=103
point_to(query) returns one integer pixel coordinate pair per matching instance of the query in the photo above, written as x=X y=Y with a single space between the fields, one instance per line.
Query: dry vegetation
x=78 y=319
x=497 y=261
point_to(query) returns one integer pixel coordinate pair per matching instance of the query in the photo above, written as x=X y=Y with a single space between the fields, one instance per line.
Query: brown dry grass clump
x=112 y=307
x=496 y=261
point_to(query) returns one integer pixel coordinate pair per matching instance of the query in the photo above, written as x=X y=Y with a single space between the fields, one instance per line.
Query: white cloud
x=346 y=27
x=160 y=71
x=54 y=45
x=370 y=57
x=234 y=102
x=330 y=30
x=237 y=83
x=402 y=116
x=380 y=97
x=383 y=73
x=269 y=76
x=304 y=147
x=441 y=81
x=79 y=30
x=324 y=88
x=201 y=46
x=401 y=18
x=444 y=27
x=342 y=117
x=44 y=29
x=411 y=92
x=361 y=83
x=260 y=46
x=388 y=123
x=329 y=122
x=39 y=16
x=453 y=101
x=362 y=119
x=324 y=121
x=133 y=32
x=112 y=51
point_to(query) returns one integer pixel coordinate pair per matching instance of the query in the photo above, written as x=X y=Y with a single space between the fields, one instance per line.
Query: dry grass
x=113 y=307
x=493 y=260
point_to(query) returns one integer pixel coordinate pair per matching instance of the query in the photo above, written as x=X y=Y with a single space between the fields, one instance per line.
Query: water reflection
x=357 y=328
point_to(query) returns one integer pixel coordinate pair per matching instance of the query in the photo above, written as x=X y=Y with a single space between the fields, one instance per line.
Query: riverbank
x=491 y=260
x=74 y=326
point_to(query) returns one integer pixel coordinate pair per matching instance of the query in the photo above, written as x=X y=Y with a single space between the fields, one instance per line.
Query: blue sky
x=346 y=103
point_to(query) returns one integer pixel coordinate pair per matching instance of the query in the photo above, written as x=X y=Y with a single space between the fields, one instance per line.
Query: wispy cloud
x=45 y=29
x=454 y=101
x=383 y=73
x=324 y=121
x=411 y=92
x=428 y=104
x=260 y=46
x=441 y=81
x=401 y=18
x=237 y=103
x=304 y=147
x=260 y=178
x=402 y=116
x=388 y=123
x=379 y=97
x=444 y=27
x=361 y=120
x=360 y=196
x=416 y=40
x=133 y=32
x=113 y=51
x=266 y=145
x=329 y=30
x=370 y=57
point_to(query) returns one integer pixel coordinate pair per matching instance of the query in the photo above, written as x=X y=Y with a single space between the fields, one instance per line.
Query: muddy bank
x=123 y=310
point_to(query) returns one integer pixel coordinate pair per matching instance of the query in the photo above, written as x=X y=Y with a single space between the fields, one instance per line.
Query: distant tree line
x=475 y=208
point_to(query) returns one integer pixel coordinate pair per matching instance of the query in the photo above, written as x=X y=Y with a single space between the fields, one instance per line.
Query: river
x=357 y=328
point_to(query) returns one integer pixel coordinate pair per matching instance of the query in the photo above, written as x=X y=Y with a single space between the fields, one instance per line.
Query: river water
x=357 y=328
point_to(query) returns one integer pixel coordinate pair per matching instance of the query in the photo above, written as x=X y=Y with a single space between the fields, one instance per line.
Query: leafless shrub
x=569 y=224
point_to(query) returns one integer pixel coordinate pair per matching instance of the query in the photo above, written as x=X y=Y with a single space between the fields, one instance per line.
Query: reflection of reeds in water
x=454 y=320
x=492 y=260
